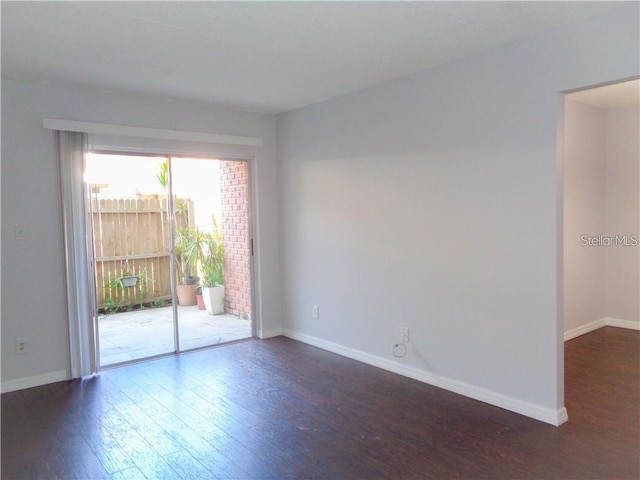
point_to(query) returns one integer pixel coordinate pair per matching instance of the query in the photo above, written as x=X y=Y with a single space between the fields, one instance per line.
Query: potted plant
x=126 y=281
x=188 y=250
x=211 y=262
x=200 y=299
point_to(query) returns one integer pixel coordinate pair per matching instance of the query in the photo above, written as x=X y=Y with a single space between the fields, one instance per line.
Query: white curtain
x=83 y=354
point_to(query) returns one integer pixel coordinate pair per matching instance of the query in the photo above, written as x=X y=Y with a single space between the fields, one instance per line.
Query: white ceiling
x=260 y=56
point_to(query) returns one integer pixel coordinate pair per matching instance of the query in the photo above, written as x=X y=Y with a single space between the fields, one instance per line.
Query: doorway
x=171 y=253
x=601 y=260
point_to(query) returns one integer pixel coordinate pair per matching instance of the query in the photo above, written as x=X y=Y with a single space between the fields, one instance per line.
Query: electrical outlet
x=405 y=334
x=316 y=312
x=21 y=346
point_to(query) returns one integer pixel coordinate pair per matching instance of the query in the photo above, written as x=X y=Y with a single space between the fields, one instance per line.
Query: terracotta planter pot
x=200 y=302
x=186 y=295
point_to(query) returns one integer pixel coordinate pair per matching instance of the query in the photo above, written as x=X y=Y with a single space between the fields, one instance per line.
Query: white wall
x=430 y=202
x=601 y=205
x=585 y=153
x=33 y=296
x=622 y=280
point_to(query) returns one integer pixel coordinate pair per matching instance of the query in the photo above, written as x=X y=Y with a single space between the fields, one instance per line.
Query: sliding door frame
x=169 y=157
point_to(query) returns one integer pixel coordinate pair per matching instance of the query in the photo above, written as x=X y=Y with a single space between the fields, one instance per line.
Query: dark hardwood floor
x=281 y=409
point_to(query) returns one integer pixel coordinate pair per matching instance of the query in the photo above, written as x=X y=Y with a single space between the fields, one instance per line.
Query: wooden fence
x=132 y=236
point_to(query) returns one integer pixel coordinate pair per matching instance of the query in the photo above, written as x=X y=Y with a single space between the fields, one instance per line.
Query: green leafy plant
x=127 y=294
x=212 y=257
x=188 y=249
x=181 y=206
x=163 y=174
x=111 y=306
x=158 y=303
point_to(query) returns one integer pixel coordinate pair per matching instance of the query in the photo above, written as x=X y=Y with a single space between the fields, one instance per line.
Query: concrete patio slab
x=144 y=333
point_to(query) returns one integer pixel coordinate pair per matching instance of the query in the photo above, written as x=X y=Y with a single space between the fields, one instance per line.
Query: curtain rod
x=141 y=132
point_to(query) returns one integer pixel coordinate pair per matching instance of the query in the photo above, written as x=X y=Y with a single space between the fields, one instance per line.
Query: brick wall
x=234 y=187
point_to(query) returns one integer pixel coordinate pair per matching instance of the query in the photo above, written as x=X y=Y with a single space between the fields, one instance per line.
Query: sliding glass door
x=168 y=234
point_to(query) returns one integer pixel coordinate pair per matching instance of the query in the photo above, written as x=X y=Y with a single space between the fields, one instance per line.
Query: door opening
x=171 y=248
x=601 y=208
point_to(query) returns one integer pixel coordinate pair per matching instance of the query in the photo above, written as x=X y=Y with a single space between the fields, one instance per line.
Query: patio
x=138 y=334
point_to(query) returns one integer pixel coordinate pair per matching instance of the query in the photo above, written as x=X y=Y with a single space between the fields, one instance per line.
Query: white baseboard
x=617 y=322
x=35 y=381
x=547 y=415
x=602 y=322
x=264 y=334
x=582 y=329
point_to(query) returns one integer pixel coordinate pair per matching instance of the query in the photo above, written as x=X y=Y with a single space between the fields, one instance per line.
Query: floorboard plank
x=279 y=409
